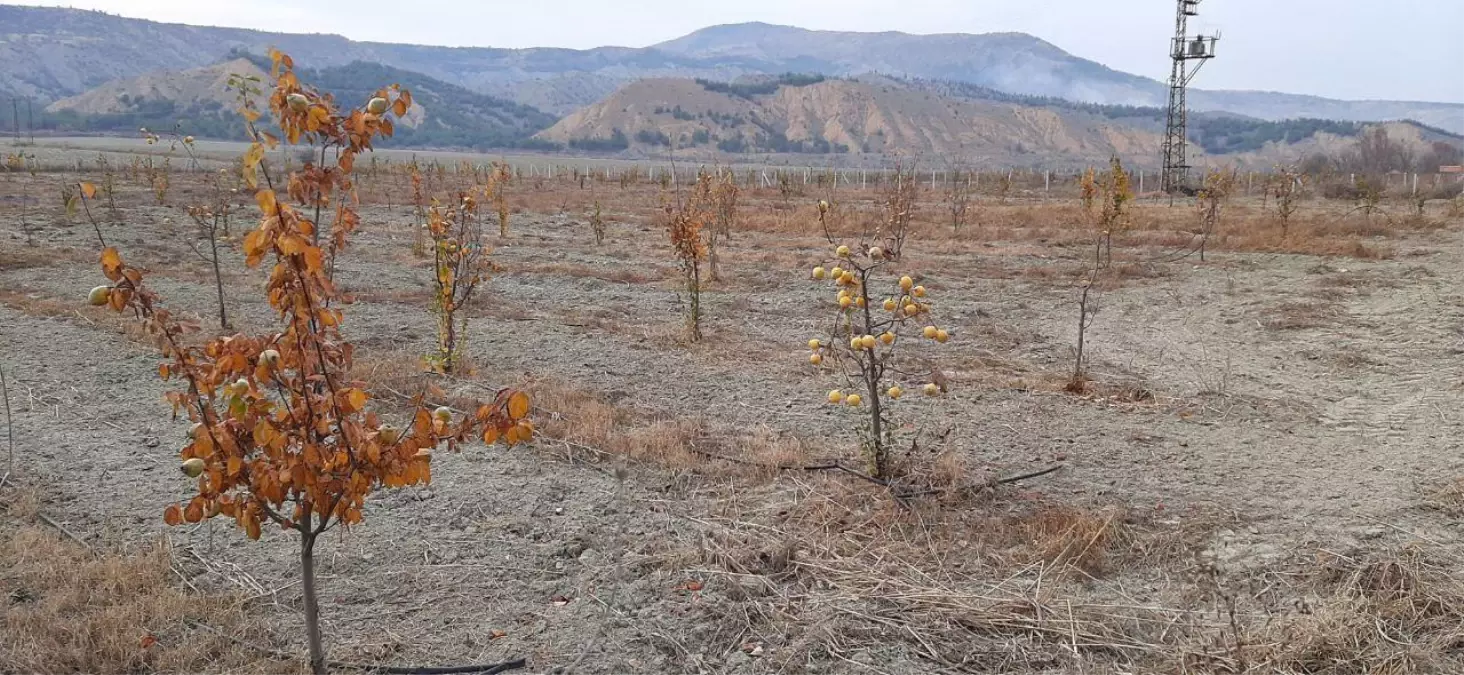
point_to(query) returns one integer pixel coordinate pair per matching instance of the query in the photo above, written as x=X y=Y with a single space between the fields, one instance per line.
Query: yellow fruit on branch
x=842 y=251
x=896 y=391
x=867 y=341
x=845 y=302
x=890 y=305
x=906 y=283
x=192 y=468
x=814 y=344
x=388 y=435
x=442 y=413
x=99 y=296
x=931 y=389
x=941 y=336
x=815 y=359
x=836 y=396
x=376 y=105
x=269 y=358
x=918 y=291
x=861 y=301
x=854 y=400
x=930 y=332
x=888 y=338
x=820 y=273
x=298 y=102
x=876 y=253
x=837 y=272
x=856 y=344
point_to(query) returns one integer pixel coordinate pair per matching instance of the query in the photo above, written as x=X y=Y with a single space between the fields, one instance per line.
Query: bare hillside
x=843 y=116
x=197 y=86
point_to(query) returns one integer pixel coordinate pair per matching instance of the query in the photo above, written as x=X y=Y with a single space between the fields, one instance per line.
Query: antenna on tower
x=1182 y=50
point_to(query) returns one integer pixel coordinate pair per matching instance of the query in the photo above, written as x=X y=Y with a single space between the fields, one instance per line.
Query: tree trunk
x=213 y=242
x=312 y=605
x=876 y=420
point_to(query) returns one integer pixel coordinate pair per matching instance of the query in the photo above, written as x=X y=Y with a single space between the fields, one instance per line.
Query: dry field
x=1260 y=478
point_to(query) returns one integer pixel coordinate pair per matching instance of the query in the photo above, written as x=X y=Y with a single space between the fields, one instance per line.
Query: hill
x=818 y=115
x=51 y=53
x=442 y=115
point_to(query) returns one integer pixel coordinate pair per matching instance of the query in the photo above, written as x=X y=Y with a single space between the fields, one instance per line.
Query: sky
x=1354 y=49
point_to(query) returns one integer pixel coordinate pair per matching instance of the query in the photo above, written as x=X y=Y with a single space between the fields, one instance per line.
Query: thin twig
x=62 y=529
x=9 y=430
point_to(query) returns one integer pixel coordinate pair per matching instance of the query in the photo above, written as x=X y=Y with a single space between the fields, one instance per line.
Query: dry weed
x=72 y=610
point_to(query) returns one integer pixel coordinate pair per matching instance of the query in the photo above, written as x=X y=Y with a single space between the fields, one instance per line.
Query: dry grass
x=70 y=610
x=1300 y=315
x=1390 y=612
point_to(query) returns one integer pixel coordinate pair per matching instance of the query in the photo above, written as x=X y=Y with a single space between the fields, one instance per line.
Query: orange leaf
x=89 y=190
x=111 y=263
x=490 y=435
x=518 y=405
x=173 y=515
x=356 y=398
x=400 y=107
x=194 y=512
x=291 y=244
x=266 y=200
x=314 y=259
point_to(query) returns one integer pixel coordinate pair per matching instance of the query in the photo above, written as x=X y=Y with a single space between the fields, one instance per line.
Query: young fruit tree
x=687 y=219
x=863 y=343
x=281 y=436
x=461 y=263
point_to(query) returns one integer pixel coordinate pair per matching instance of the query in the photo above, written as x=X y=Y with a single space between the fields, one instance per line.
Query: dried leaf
x=266 y=201
x=518 y=405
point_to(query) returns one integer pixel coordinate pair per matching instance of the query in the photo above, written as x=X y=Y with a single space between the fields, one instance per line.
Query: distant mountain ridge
x=51 y=53
x=442 y=114
x=841 y=116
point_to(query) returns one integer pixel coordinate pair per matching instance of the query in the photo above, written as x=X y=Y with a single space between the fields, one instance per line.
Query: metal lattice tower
x=1182 y=50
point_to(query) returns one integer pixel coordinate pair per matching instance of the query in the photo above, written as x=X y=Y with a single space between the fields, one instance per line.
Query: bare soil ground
x=1258 y=482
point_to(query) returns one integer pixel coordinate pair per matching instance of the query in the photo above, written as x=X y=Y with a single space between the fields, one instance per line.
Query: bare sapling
x=597 y=224
x=899 y=212
x=212 y=222
x=498 y=186
x=1286 y=186
x=958 y=198
x=1214 y=193
x=724 y=217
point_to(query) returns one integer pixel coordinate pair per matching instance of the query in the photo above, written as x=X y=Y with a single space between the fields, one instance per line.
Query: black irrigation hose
x=483 y=669
x=835 y=466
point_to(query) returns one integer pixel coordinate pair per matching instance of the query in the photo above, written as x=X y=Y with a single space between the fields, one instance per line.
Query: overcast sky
x=1383 y=49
